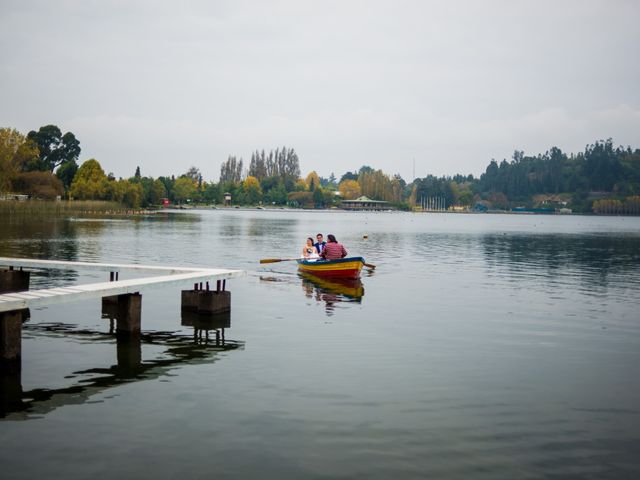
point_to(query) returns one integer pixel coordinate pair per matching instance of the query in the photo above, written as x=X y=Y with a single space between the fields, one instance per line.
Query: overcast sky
x=448 y=84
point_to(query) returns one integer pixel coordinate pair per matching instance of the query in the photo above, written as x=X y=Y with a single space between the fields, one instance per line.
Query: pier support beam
x=129 y=314
x=10 y=341
x=214 y=302
x=14 y=280
x=207 y=301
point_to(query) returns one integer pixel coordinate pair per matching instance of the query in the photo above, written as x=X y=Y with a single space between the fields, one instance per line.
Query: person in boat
x=333 y=250
x=309 y=251
x=320 y=244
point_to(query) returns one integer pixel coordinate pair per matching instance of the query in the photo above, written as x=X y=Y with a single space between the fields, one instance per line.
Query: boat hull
x=348 y=267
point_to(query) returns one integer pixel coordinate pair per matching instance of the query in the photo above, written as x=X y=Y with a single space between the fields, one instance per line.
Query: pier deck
x=165 y=275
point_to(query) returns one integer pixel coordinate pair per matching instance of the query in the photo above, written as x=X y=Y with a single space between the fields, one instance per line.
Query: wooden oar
x=275 y=260
x=370 y=265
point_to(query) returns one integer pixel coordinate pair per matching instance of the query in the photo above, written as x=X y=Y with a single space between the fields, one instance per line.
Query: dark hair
x=309 y=238
x=332 y=239
x=319 y=235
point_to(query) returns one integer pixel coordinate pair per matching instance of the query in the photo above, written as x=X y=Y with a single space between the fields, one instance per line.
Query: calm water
x=483 y=346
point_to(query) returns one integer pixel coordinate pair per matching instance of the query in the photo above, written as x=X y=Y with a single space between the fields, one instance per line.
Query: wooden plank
x=107 y=267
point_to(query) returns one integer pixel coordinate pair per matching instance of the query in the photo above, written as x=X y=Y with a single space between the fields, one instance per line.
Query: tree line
x=603 y=179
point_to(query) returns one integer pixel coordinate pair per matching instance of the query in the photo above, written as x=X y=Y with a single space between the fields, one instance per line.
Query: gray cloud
x=452 y=84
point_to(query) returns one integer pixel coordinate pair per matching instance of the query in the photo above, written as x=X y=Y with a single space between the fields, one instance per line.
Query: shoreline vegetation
x=18 y=210
x=602 y=180
x=43 y=209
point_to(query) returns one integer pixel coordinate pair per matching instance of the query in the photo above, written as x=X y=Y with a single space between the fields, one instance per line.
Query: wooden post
x=14 y=280
x=111 y=300
x=10 y=341
x=129 y=313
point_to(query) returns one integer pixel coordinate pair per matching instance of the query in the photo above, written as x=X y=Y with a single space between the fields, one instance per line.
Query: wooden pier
x=122 y=295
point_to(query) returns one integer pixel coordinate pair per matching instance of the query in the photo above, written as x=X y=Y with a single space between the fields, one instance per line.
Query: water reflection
x=259 y=227
x=591 y=259
x=51 y=240
x=332 y=290
x=130 y=364
x=204 y=324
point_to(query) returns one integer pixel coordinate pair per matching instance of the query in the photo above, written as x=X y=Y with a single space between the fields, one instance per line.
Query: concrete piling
x=214 y=302
x=122 y=309
x=14 y=280
x=206 y=301
x=129 y=314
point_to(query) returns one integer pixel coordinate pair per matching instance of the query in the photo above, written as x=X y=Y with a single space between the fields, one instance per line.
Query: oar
x=275 y=260
x=370 y=265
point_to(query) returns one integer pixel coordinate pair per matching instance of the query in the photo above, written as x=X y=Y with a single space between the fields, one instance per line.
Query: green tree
x=212 y=193
x=348 y=176
x=168 y=183
x=126 y=192
x=602 y=165
x=153 y=191
x=231 y=170
x=54 y=148
x=66 y=173
x=276 y=195
x=318 y=197
x=184 y=189
x=90 y=182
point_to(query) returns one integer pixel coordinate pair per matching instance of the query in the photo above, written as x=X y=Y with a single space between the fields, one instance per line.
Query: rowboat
x=348 y=267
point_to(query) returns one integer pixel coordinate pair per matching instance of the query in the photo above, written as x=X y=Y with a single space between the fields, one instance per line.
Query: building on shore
x=364 y=203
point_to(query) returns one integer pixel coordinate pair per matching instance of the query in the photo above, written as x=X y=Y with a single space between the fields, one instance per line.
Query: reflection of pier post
x=203 y=323
x=206 y=310
x=10 y=392
x=129 y=355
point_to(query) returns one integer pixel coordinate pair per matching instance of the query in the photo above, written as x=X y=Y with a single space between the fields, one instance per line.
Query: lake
x=482 y=346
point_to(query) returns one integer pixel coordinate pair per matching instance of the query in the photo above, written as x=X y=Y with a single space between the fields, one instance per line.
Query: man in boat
x=333 y=250
x=320 y=244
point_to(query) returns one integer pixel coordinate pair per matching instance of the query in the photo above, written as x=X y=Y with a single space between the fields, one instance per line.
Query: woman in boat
x=333 y=250
x=309 y=251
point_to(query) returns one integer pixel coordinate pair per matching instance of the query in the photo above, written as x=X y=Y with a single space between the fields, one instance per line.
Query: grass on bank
x=63 y=208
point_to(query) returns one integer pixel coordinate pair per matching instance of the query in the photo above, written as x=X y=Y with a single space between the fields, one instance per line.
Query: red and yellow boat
x=348 y=267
